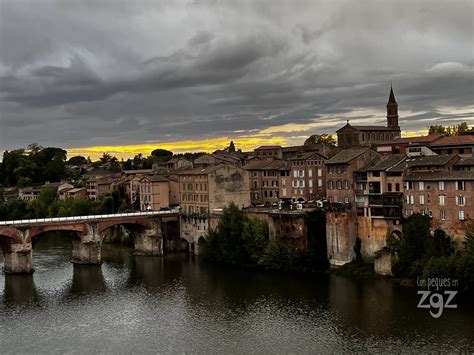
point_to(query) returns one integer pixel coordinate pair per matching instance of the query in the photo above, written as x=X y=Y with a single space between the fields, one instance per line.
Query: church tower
x=392 y=111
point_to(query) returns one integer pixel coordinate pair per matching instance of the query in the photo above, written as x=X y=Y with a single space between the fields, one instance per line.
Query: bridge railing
x=88 y=218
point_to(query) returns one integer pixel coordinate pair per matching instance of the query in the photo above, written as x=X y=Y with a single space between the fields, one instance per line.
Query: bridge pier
x=86 y=250
x=19 y=259
x=149 y=243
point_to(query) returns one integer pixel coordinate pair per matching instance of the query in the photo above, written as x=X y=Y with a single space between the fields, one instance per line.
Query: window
x=310 y=182
x=422 y=200
x=460 y=200
x=397 y=187
x=461 y=215
x=389 y=187
x=460 y=185
x=442 y=215
x=320 y=182
x=320 y=172
x=442 y=200
x=441 y=186
x=421 y=185
x=255 y=183
x=310 y=172
x=295 y=173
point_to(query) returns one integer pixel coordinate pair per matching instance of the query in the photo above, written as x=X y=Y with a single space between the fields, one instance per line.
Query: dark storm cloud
x=99 y=72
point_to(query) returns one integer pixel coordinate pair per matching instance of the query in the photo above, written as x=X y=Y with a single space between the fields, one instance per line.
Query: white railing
x=88 y=218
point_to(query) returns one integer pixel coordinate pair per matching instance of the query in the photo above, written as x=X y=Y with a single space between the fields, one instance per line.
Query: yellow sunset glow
x=246 y=143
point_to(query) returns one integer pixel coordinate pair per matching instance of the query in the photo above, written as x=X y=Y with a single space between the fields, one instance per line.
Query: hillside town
x=367 y=183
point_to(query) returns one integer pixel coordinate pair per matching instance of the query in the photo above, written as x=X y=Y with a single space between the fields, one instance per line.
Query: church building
x=355 y=136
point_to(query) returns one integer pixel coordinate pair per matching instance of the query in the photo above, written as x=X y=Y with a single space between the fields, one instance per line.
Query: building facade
x=206 y=191
x=308 y=177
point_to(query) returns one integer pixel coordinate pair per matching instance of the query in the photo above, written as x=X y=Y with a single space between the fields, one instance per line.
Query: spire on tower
x=392 y=110
x=391 y=99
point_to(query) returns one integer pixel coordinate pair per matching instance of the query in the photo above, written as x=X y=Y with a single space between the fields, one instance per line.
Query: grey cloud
x=100 y=72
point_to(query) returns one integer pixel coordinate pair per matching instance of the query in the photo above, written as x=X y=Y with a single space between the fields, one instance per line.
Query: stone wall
x=374 y=232
x=341 y=234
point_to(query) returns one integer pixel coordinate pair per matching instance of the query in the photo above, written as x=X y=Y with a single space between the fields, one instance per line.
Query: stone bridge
x=88 y=233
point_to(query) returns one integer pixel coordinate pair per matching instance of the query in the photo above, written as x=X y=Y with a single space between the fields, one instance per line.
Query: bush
x=245 y=241
x=455 y=267
x=278 y=255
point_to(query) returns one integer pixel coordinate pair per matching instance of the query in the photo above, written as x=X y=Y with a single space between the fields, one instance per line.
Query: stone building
x=461 y=145
x=265 y=179
x=409 y=145
x=340 y=174
x=352 y=136
x=77 y=193
x=157 y=192
x=445 y=194
x=341 y=219
x=429 y=145
x=379 y=202
x=308 y=177
x=206 y=191
x=268 y=151
x=31 y=193
x=98 y=187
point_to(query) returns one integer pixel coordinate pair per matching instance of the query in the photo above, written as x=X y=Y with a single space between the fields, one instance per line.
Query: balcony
x=386 y=212
x=376 y=200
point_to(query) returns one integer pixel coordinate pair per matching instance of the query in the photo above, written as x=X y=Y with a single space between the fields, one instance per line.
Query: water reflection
x=87 y=279
x=147 y=271
x=179 y=304
x=20 y=290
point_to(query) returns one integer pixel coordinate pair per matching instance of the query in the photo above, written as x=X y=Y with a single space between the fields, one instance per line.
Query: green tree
x=162 y=154
x=416 y=231
x=255 y=239
x=470 y=237
x=77 y=160
x=278 y=255
x=321 y=139
x=46 y=198
x=440 y=244
x=449 y=131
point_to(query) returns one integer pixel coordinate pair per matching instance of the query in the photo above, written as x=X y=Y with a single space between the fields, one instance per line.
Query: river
x=178 y=304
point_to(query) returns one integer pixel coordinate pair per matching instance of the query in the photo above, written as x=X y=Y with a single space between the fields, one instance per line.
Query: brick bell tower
x=392 y=111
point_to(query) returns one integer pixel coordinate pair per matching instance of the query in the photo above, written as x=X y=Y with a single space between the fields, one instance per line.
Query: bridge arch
x=131 y=225
x=37 y=231
x=12 y=234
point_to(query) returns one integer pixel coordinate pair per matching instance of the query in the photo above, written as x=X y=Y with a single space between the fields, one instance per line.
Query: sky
x=127 y=77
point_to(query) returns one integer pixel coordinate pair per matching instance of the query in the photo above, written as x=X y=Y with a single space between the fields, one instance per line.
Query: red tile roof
x=456 y=140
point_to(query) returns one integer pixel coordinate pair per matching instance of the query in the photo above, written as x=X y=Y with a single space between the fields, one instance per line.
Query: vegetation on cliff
x=240 y=240
x=420 y=253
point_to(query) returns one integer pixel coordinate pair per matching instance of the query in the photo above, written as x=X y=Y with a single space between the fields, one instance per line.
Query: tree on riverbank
x=422 y=254
x=240 y=240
